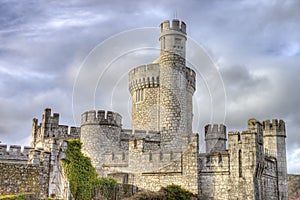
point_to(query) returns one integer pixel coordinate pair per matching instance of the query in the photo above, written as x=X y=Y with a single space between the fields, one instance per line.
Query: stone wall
x=14 y=153
x=153 y=169
x=145 y=112
x=58 y=183
x=214 y=170
x=270 y=179
x=31 y=177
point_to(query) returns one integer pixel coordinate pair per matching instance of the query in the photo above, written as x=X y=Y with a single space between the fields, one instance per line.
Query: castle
x=161 y=148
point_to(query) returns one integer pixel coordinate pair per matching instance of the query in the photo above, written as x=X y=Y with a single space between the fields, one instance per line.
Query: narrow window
x=177 y=41
x=113 y=156
x=135 y=143
x=160 y=155
x=123 y=156
x=240 y=164
x=150 y=156
x=142 y=94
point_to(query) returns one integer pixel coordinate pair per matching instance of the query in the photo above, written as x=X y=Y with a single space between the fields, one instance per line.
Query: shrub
x=171 y=192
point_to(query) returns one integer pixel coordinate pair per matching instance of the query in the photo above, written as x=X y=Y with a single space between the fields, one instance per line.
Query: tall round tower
x=177 y=85
x=162 y=92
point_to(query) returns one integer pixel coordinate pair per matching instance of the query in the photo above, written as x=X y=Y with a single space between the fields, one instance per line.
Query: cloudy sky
x=74 y=56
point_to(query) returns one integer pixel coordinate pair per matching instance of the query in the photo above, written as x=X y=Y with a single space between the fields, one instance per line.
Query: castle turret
x=274 y=140
x=215 y=138
x=100 y=132
x=177 y=85
x=144 y=90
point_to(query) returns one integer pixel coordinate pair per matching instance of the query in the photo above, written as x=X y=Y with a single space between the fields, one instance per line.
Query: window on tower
x=177 y=41
x=139 y=95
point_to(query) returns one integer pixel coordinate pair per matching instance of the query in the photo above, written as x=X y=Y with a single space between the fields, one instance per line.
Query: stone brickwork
x=14 y=153
x=274 y=138
x=50 y=128
x=153 y=169
x=32 y=177
x=100 y=133
x=176 y=85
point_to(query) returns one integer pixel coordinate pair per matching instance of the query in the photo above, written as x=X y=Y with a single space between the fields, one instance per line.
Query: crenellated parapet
x=274 y=128
x=214 y=162
x=176 y=25
x=39 y=157
x=99 y=117
x=17 y=154
x=148 y=161
x=14 y=153
x=215 y=137
x=144 y=76
x=50 y=128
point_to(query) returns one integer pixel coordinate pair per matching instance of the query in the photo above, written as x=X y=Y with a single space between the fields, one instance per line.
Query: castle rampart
x=101 y=118
x=144 y=76
x=14 y=153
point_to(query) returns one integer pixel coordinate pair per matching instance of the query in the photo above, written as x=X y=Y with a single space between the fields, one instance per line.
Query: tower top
x=177 y=25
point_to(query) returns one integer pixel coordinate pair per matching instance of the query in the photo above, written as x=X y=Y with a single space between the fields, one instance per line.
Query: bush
x=171 y=192
x=176 y=192
x=11 y=197
x=107 y=187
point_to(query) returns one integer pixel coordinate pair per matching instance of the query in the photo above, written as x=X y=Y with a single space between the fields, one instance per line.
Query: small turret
x=274 y=140
x=173 y=38
x=215 y=138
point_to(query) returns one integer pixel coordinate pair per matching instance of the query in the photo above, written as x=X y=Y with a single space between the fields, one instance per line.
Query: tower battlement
x=176 y=25
x=218 y=129
x=14 y=153
x=39 y=157
x=101 y=118
x=144 y=76
x=215 y=138
x=274 y=125
x=50 y=120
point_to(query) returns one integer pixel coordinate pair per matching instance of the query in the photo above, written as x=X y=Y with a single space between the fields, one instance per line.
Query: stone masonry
x=161 y=148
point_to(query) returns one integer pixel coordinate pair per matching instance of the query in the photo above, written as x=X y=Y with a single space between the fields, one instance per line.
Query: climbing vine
x=80 y=172
x=83 y=178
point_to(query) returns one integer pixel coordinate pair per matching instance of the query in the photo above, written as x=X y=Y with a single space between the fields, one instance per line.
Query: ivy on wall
x=83 y=178
x=80 y=172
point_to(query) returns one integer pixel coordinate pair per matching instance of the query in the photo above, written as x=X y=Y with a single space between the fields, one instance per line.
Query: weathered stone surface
x=16 y=178
x=160 y=149
x=294 y=186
